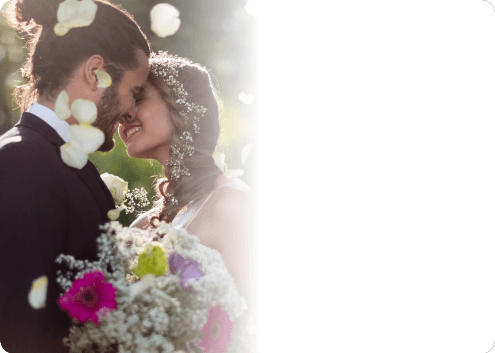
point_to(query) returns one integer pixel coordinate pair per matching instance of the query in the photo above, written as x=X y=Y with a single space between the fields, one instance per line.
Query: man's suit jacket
x=46 y=208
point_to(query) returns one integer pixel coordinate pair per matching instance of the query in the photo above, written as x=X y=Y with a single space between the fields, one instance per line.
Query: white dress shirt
x=49 y=117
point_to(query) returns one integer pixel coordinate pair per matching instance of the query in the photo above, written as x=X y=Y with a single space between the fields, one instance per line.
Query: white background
x=377 y=176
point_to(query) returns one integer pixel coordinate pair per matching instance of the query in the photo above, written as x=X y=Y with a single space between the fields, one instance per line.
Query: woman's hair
x=52 y=59
x=203 y=172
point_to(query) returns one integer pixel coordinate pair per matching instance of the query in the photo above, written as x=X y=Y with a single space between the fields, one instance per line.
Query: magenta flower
x=188 y=269
x=89 y=298
x=217 y=331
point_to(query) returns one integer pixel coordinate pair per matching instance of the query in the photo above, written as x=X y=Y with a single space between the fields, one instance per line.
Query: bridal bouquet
x=152 y=291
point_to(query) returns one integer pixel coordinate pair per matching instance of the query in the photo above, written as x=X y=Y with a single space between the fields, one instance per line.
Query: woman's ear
x=92 y=64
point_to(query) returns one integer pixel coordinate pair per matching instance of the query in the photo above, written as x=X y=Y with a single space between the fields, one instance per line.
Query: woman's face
x=149 y=135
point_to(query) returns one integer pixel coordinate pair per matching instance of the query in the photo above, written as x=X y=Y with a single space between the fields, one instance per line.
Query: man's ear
x=93 y=63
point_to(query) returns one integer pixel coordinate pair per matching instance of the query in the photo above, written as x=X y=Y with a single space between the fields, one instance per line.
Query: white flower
x=118 y=187
x=165 y=20
x=84 y=111
x=219 y=159
x=104 y=79
x=37 y=294
x=73 y=157
x=62 y=109
x=73 y=14
x=147 y=281
x=86 y=138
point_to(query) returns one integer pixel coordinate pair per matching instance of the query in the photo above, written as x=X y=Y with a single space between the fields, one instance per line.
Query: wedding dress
x=186 y=215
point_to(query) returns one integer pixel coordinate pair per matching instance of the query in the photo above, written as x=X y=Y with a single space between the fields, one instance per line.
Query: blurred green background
x=219 y=34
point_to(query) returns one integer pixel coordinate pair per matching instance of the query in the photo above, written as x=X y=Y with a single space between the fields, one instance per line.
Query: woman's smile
x=131 y=130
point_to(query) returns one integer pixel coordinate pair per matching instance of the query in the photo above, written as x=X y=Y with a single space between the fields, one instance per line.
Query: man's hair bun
x=41 y=12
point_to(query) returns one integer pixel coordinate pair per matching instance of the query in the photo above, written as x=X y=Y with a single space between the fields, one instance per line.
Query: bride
x=176 y=123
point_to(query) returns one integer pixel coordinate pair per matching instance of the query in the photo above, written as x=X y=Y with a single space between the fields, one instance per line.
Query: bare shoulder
x=231 y=203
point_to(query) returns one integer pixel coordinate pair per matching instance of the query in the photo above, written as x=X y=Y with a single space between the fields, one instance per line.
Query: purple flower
x=188 y=270
x=174 y=261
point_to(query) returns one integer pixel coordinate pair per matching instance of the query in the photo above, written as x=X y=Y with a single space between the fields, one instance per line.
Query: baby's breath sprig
x=135 y=199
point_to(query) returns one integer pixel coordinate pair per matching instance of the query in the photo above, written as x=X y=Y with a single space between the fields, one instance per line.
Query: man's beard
x=108 y=116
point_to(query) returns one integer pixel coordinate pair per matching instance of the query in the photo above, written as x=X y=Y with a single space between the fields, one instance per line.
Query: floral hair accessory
x=37 y=294
x=189 y=112
x=89 y=298
x=164 y=19
x=74 y=14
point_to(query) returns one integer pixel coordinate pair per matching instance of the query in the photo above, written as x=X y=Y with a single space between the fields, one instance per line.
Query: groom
x=46 y=207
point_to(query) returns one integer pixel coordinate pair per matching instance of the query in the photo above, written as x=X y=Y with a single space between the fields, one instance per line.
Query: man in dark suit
x=48 y=208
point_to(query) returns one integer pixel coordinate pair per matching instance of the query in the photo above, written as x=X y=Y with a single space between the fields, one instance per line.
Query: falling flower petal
x=73 y=14
x=165 y=20
x=145 y=282
x=246 y=150
x=86 y=138
x=104 y=79
x=37 y=294
x=60 y=29
x=62 y=109
x=233 y=173
x=73 y=157
x=84 y=111
x=219 y=159
x=114 y=214
x=246 y=98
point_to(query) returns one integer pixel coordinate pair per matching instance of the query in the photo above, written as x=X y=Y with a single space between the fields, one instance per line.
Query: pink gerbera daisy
x=217 y=331
x=89 y=297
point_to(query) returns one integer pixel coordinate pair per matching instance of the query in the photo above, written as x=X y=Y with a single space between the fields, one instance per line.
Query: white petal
x=164 y=20
x=219 y=159
x=245 y=152
x=73 y=157
x=114 y=214
x=104 y=79
x=37 y=294
x=233 y=173
x=246 y=98
x=62 y=109
x=84 y=111
x=60 y=29
x=147 y=281
x=86 y=138
x=73 y=13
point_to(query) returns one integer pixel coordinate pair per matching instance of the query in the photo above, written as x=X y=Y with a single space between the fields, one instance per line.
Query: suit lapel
x=92 y=178
x=88 y=173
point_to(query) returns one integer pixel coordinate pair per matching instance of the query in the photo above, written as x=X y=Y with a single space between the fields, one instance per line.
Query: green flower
x=153 y=260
